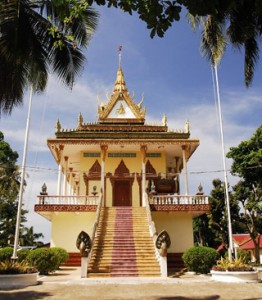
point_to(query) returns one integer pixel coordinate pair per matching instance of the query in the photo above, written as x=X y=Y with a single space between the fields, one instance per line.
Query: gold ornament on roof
x=80 y=120
x=58 y=126
x=187 y=127
x=164 y=120
x=139 y=105
x=121 y=109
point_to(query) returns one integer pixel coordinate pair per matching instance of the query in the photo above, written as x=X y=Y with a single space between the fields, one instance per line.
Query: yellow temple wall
x=86 y=164
x=109 y=193
x=134 y=164
x=66 y=227
x=172 y=222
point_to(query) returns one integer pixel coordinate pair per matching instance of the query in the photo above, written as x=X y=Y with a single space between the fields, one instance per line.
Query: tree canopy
x=38 y=37
x=212 y=229
x=42 y=36
x=9 y=190
x=247 y=164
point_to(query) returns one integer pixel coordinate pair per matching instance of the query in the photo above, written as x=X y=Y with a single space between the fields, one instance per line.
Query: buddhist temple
x=119 y=184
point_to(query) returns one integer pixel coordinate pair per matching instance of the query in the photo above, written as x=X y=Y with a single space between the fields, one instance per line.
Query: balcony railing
x=178 y=200
x=68 y=200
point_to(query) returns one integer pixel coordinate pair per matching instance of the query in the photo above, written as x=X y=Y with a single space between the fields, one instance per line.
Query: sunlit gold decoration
x=121 y=93
x=164 y=120
x=80 y=120
x=187 y=127
x=58 y=126
x=121 y=109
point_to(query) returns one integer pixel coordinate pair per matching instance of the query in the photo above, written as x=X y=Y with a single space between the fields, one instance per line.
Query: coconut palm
x=38 y=37
x=213 y=40
x=29 y=237
x=240 y=25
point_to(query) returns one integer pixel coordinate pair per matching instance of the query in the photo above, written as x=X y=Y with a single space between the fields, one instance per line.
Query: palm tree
x=38 y=37
x=29 y=237
x=240 y=24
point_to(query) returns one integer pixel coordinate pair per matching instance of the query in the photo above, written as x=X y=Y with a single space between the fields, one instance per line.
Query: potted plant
x=17 y=274
x=236 y=270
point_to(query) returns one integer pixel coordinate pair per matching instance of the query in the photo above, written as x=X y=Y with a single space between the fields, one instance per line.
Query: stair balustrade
x=152 y=228
x=84 y=266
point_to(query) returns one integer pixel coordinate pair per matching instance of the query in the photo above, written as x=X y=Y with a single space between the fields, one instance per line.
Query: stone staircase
x=123 y=246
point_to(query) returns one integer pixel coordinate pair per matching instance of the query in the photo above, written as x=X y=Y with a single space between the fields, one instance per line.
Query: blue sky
x=174 y=78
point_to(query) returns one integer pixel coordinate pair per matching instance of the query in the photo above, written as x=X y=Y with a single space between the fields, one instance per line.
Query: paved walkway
x=66 y=284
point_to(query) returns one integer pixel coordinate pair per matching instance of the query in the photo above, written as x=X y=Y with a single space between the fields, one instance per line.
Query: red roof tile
x=241 y=238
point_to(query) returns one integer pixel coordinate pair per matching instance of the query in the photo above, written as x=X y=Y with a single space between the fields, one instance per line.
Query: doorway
x=122 y=193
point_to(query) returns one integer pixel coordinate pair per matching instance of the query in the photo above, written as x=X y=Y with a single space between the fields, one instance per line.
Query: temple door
x=122 y=193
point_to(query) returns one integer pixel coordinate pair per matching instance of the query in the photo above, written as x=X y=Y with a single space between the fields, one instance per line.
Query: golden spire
x=120 y=84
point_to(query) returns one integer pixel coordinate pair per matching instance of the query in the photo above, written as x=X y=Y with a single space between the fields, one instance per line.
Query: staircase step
x=123 y=246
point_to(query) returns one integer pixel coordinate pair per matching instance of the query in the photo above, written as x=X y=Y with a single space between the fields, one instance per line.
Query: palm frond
x=67 y=63
x=213 y=40
x=28 y=51
x=251 y=58
x=194 y=21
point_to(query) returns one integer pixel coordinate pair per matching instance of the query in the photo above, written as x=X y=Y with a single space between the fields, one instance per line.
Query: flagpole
x=21 y=189
x=230 y=235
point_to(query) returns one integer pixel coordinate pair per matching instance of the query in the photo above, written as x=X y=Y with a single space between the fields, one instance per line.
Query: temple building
x=119 y=181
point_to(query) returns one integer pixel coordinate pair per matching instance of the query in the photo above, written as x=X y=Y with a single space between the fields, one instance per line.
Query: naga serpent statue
x=163 y=242
x=84 y=243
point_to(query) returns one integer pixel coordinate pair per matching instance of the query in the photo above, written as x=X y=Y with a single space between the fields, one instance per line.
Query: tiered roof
x=121 y=118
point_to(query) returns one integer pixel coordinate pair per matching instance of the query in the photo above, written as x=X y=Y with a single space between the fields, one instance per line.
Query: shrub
x=22 y=254
x=43 y=259
x=200 y=259
x=61 y=255
x=6 y=253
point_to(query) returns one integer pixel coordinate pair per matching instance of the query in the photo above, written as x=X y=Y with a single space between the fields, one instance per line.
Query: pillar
x=103 y=158
x=59 y=180
x=185 y=169
x=143 y=150
x=65 y=175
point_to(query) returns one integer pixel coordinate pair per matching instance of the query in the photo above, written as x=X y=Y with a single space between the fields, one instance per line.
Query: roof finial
x=119 y=55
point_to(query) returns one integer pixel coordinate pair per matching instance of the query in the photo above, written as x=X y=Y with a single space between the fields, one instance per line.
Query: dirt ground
x=66 y=284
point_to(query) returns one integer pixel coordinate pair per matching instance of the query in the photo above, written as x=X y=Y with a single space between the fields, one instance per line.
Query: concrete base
x=229 y=276
x=8 y=281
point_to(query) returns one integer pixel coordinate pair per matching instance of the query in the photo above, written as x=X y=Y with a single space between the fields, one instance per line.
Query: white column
x=59 y=180
x=185 y=169
x=143 y=151
x=103 y=158
x=65 y=174
x=69 y=187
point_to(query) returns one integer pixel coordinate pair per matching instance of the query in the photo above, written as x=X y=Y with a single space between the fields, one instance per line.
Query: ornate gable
x=150 y=169
x=122 y=169
x=121 y=107
x=95 y=169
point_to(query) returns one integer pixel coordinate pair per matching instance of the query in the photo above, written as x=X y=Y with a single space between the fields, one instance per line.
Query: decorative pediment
x=95 y=169
x=121 y=107
x=149 y=168
x=122 y=169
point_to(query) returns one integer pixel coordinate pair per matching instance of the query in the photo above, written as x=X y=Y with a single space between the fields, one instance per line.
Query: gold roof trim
x=120 y=92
